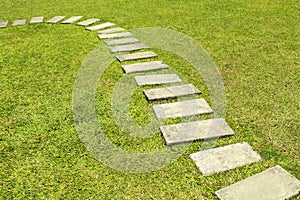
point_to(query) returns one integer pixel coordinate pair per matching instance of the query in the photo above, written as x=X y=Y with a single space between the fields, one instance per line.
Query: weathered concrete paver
x=157 y=79
x=121 y=41
x=144 y=67
x=114 y=35
x=100 y=26
x=88 y=22
x=182 y=109
x=196 y=130
x=127 y=47
x=272 y=184
x=3 y=24
x=170 y=92
x=224 y=158
x=136 y=56
x=72 y=20
x=55 y=19
x=112 y=30
x=19 y=22
x=36 y=20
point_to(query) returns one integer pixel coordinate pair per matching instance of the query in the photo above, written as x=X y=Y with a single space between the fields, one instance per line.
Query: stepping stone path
x=272 y=184
x=36 y=20
x=127 y=47
x=114 y=35
x=3 y=24
x=112 y=30
x=224 y=158
x=72 y=20
x=121 y=41
x=19 y=22
x=100 y=26
x=55 y=19
x=182 y=109
x=157 y=79
x=197 y=130
x=136 y=56
x=144 y=67
x=88 y=22
x=170 y=92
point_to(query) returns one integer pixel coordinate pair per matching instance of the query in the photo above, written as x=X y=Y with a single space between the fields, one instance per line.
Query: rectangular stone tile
x=112 y=30
x=144 y=67
x=272 y=184
x=182 y=109
x=72 y=20
x=88 y=22
x=136 y=56
x=157 y=79
x=170 y=92
x=127 y=47
x=100 y=26
x=3 y=24
x=36 y=20
x=19 y=22
x=55 y=19
x=196 y=130
x=114 y=35
x=224 y=158
x=121 y=41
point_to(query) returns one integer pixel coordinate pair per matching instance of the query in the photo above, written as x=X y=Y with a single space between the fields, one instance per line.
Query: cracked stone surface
x=182 y=109
x=170 y=92
x=224 y=158
x=196 y=130
x=272 y=184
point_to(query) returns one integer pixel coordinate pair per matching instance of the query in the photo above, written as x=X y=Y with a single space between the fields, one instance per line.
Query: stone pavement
x=272 y=184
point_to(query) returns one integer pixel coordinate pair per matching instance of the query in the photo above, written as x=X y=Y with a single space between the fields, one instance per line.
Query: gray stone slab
x=19 y=22
x=272 y=184
x=100 y=26
x=3 y=24
x=121 y=41
x=55 y=19
x=136 y=56
x=112 y=30
x=170 y=92
x=196 y=130
x=72 y=20
x=224 y=158
x=157 y=79
x=114 y=35
x=127 y=47
x=144 y=67
x=182 y=109
x=36 y=20
x=88 y=22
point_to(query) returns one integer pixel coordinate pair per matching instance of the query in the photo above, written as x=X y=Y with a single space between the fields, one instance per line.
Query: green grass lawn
x=255 y=45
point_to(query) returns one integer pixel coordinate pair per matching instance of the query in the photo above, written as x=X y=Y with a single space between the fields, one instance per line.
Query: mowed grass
x=255 y=45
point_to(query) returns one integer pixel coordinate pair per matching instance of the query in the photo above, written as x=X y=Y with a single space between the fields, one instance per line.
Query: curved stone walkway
x=274 y=183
